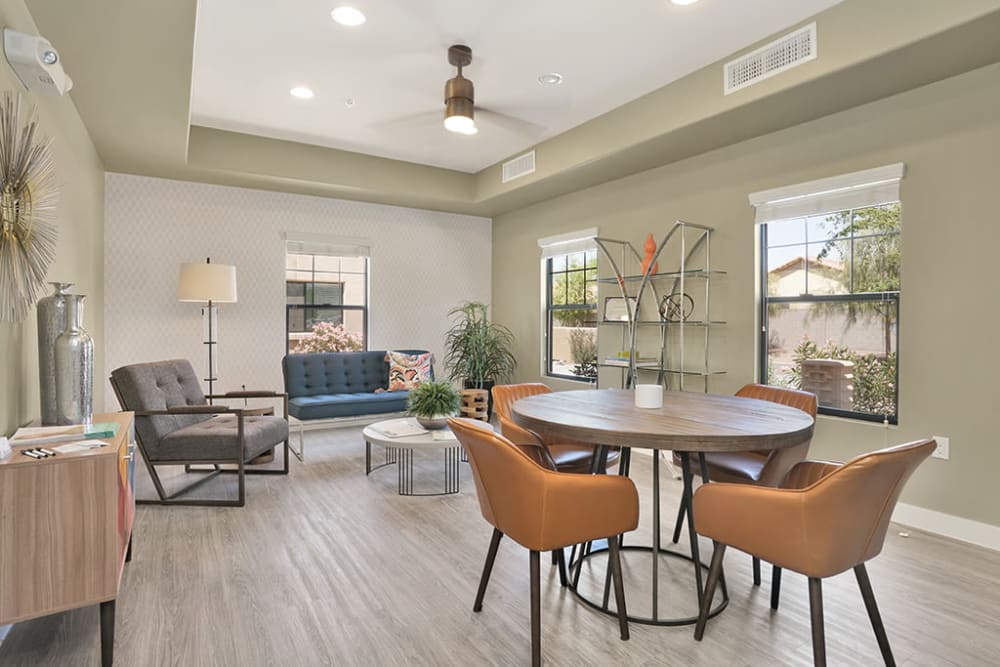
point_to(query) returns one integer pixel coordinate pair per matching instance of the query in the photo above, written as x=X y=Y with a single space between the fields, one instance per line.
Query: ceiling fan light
x=460 y=124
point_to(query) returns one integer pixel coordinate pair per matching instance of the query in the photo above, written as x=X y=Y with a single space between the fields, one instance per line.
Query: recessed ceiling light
x=683 y=2
x=348 y=16
x=550 y=79
x=349 y=102
x=302 y=93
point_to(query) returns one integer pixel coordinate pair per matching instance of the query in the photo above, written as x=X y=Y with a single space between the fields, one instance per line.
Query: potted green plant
x=432 y=403
x=477 y=351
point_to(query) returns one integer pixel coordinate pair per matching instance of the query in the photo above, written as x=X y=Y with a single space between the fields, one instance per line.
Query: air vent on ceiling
x=520 y=166
x=782 y=54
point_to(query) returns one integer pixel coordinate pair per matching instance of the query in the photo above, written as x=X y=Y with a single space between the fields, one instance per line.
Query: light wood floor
x=328 y=567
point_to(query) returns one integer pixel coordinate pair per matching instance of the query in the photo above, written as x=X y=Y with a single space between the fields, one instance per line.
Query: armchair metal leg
x=775 y=586
x=616 y=573
x=756 y=571
x=816 y=614
x=491 y=556
x=714 y=571
x=536 y=611
x=865 y=584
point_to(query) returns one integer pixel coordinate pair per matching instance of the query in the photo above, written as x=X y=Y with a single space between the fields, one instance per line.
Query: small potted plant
x=432 y=403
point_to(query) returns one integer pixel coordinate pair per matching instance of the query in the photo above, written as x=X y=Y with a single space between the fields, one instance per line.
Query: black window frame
x=551 y=308
x=290 y=307
x=809 y=299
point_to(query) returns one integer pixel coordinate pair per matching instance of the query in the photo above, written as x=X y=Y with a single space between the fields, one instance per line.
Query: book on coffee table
x=399 y=428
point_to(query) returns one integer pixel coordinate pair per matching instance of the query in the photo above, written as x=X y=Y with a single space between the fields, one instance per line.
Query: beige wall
x=947 y=134
x=79 y=258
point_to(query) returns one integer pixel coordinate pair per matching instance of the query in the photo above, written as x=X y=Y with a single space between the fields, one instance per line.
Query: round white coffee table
x=394 y=436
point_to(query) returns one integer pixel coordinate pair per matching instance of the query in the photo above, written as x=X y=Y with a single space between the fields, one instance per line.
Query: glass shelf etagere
x=678 y=341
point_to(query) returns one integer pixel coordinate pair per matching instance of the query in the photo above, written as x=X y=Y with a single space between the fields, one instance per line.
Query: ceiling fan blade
x=509 y=122
x=420 y=118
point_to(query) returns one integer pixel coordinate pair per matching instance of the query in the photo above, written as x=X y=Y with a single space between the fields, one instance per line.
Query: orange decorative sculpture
x=650 y=247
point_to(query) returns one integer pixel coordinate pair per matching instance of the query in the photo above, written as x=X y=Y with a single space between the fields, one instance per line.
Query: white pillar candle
x=648 y=396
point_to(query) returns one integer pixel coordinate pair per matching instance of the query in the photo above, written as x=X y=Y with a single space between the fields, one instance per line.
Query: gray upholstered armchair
x=176 y=425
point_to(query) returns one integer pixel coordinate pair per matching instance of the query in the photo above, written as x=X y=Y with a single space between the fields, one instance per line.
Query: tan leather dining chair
x=825 y=519
x=764 y=468
x=561 y=456
x=543 y=510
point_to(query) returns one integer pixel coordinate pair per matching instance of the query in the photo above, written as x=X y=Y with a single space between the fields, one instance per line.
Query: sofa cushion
x=408 y=371
x=346 y=405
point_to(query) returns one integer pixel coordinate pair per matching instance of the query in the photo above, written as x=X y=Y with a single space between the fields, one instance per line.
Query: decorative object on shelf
x=650 y=248
x=475 y=404
x=477 y=351
x=74 y=367
x=676 y=307
x=617 y=309
x=210 y=283
x=51 y=322
x=27 y=210
x=432 y=403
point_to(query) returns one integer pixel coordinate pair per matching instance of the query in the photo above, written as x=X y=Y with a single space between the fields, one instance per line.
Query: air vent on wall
x=780 y=55
x=522 y=165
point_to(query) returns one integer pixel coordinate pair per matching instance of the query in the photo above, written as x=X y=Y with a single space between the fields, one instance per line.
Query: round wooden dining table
x=686 y=423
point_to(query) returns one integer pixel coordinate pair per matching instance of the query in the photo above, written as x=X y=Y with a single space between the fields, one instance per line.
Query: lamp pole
x=211 y=345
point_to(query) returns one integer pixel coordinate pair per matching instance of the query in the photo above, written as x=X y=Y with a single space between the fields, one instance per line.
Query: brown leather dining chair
x=561 y=456
x=825 y=519
x=764 y=468
x=543 y=510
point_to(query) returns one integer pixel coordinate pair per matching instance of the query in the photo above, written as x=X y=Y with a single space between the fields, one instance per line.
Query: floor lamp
x=211 y=284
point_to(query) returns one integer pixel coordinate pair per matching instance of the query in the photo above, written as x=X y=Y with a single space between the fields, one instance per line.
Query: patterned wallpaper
x=422 y=264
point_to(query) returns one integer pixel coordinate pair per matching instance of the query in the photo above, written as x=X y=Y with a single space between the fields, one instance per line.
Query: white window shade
x=320 y=244
x=860 y=189
x=563 y=244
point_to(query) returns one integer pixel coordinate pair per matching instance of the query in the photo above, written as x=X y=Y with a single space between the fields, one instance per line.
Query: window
x=571 y=315
x=326 y=298
x=830 y=306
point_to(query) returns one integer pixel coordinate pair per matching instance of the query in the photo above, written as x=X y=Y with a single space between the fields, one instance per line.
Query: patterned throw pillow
x=406 y=371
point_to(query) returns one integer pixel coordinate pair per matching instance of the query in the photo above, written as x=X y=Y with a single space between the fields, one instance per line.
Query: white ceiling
x=249 y=53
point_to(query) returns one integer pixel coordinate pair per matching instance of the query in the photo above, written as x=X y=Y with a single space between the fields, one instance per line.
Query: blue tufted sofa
x=327 y=385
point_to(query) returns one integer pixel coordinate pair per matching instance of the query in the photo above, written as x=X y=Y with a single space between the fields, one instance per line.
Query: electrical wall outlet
x=943 y=449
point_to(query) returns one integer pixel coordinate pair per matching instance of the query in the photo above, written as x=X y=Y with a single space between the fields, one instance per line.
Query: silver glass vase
x=74 y=367
x=51 y=323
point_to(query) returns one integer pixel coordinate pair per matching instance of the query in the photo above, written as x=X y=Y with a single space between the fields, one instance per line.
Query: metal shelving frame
x=618 y=254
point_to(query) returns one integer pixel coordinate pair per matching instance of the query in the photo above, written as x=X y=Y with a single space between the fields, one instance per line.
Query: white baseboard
x=955 y=527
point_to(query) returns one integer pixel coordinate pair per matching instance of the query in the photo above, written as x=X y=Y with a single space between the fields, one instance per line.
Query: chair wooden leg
x=561 y=564
x=775 y=586
x=713 y=578
x=555 y=557
x=816 y=615
x=614 y=553
x=756 y=571
x=491 y=556
x=865 y=585
x=536 y=611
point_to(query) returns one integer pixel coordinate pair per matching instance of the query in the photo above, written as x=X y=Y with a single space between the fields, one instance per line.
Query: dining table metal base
x=604 y=606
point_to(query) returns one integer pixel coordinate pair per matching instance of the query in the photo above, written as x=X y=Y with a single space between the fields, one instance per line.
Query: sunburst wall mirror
x=28 y=196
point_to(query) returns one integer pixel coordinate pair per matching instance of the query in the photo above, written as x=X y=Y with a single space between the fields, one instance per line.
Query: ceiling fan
x=460 y=94
x=460 y=108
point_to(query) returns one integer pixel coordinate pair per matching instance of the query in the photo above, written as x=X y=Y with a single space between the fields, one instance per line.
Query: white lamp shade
x=207 y=282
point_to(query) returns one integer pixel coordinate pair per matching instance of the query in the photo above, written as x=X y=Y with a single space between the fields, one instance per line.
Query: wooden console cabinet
x=66 y=530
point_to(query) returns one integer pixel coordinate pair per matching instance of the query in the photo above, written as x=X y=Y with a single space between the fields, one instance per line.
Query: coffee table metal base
x=402 y=457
